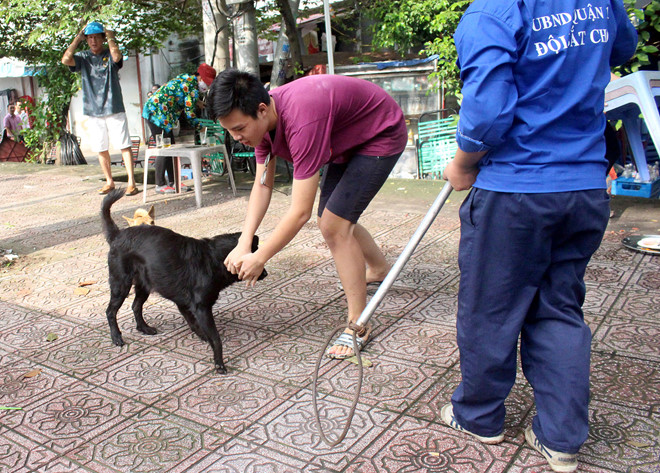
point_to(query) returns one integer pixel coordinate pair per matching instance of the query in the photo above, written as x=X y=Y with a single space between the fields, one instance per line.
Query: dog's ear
x=131 y=221
x=152 y=212
x=255 y=243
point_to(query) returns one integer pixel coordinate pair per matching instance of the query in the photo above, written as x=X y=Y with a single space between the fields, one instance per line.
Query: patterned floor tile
x=12 y=315
x=428 y=277
x=608 y=273
x=622 y=439
x=645 y=278
x=283 y=359
x=400 y=301
x=276 y=314
x=413 y=446
x=390 y=383
x=633 y=305
x=293 y=430
x=625 y=381
x=236 y=340
x=439 y=309
x=308 y=288
x=230 y=403
x=21 y=455
x=146 y=443
x=599 y=298
x=326 y=269
x=71 y=270
x=90 y=351
x=19 y=390
x=615 y=252
x=419 y=342
x=152 y=374
x=243 y=457
x=67 y=420
x=641 y=339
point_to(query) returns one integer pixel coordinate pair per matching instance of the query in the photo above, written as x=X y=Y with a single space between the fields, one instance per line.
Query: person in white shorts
x=102 y=98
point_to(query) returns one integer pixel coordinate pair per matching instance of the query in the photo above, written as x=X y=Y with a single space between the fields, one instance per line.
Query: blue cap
x=93 y=28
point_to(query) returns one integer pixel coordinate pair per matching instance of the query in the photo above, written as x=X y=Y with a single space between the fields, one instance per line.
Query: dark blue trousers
x=522 y=259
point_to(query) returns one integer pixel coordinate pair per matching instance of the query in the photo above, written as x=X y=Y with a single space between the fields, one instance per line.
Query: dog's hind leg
x=118 y=292
x=206 y=323
x=141 y=296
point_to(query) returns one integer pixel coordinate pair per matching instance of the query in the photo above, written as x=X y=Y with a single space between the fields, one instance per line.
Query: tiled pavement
x=156 y=405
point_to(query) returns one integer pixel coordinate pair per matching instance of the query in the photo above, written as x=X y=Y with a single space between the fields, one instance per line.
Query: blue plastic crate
x=628 y=186
x=186 y=174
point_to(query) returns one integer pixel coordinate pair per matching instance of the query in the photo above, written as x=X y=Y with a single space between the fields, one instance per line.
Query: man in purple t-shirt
x=12 y=123
x=351 y=125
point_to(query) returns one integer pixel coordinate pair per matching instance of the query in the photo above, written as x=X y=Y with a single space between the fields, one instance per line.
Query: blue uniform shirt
x=534 y=74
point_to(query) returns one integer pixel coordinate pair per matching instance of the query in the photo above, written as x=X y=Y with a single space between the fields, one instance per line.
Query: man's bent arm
x=67 y=58
x=114 y=47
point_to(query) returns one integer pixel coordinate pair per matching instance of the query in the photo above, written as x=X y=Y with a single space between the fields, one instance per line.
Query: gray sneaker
x=165 y=190
x=447 y=416
x=558 y=461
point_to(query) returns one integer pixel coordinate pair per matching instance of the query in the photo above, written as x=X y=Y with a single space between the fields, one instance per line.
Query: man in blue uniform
x=531 y=145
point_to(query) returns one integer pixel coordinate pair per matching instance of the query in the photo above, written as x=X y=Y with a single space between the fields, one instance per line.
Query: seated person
x=13 y=124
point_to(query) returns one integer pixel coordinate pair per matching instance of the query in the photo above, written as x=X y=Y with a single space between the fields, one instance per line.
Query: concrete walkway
x=156 y=405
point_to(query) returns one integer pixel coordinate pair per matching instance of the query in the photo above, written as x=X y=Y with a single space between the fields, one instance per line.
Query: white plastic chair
x=625 y=99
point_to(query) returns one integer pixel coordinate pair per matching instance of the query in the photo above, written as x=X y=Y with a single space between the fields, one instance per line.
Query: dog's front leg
x=205 y=322
x=141 y=296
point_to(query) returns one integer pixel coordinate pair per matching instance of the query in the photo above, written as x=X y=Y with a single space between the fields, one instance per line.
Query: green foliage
x=648 y=28
x=39 y=31
x=403 y=25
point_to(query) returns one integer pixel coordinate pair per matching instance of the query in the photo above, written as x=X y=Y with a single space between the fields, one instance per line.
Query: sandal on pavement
x=132 y=190
x=370 y=285
x=346 y=340
x=105 y=189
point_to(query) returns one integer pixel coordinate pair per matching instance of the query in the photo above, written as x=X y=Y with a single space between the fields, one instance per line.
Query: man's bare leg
x=350 y=263
x=377 y=265
x=128 y=163
x=104 y=161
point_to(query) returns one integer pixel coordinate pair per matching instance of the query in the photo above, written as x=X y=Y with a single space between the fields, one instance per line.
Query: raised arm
x=114 y=47
x=67 y=58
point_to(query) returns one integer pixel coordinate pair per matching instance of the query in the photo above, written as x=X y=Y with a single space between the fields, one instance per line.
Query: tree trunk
x=281 y=59
x=295 y=43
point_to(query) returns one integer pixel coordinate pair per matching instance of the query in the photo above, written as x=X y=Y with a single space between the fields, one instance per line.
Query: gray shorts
x=347 y=188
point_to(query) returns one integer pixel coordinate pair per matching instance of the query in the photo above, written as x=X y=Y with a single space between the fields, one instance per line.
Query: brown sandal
x=106 y=188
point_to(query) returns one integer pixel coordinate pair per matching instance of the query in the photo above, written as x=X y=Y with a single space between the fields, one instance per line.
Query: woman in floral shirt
x=164 y=107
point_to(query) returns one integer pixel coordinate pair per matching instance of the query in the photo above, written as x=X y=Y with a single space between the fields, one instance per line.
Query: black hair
x=234 y=89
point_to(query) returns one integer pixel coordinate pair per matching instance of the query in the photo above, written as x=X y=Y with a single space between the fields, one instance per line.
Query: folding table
x=194 y=153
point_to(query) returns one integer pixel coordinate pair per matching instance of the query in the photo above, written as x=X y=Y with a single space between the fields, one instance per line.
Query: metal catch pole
x=405 y=255
x=360 y=325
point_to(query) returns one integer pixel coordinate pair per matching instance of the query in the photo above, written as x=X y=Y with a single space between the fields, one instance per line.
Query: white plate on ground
x=650 y=241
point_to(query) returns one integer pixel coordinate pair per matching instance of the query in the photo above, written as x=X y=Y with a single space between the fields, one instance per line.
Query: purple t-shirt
x=329 y=118
x=12 y=122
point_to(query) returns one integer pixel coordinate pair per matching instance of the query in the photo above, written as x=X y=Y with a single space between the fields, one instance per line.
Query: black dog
x=187 y=271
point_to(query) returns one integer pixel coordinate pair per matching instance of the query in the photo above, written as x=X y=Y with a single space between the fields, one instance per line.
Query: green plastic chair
x=215 y=132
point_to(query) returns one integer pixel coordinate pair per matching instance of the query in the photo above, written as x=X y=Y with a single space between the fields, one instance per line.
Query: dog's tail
x=110 y=228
